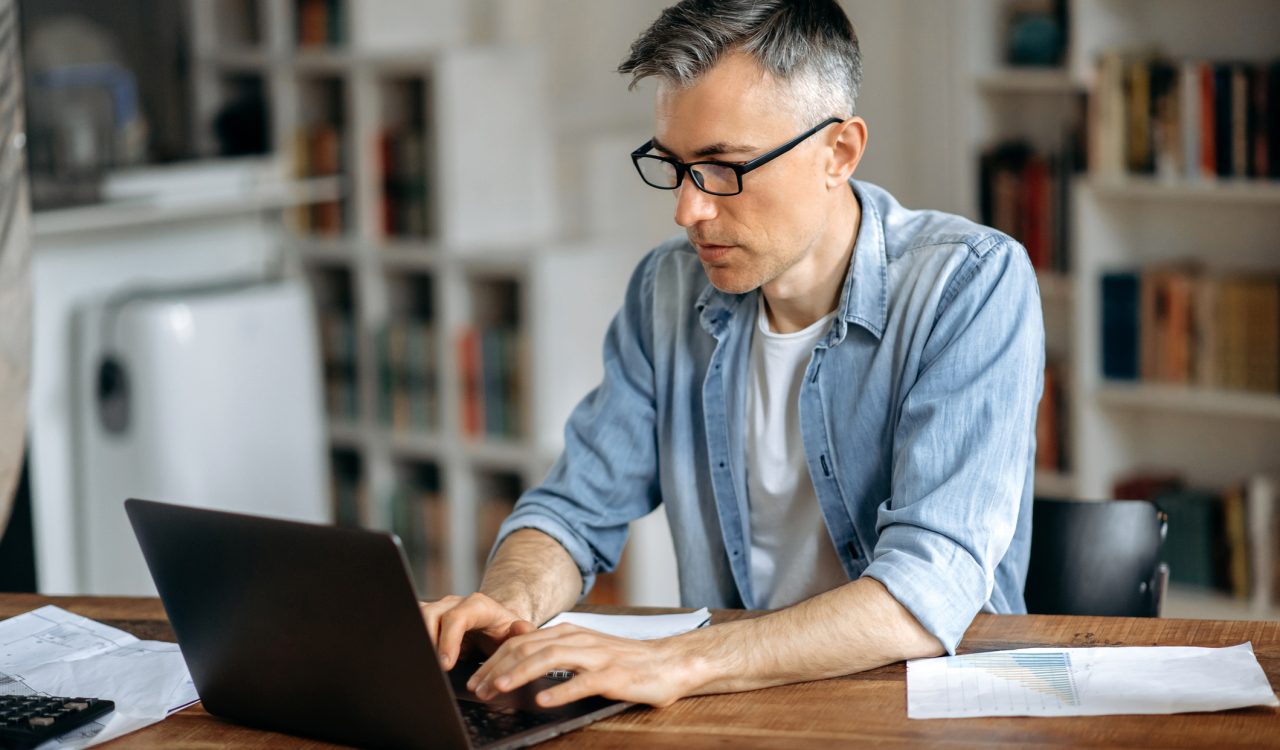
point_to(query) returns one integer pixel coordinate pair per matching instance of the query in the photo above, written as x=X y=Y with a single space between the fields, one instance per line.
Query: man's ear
x=846 y=150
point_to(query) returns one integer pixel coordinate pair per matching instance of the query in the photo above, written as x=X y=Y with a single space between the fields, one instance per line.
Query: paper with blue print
x=1087 y=682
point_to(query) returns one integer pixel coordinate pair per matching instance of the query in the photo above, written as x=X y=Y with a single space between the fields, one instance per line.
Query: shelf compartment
x=405 y=164
x=419 y=517
x=492 y=356
x=408 y=356
x=334 y=291
x=320 y=148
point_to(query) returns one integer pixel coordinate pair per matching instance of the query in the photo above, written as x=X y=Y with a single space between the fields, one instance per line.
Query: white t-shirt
x=792 y=557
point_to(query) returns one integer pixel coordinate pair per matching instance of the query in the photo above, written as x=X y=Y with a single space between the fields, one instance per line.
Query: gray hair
x=810 y=44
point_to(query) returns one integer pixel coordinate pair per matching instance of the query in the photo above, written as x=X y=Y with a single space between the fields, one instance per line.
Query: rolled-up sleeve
x=963 y=443
x=607 y=475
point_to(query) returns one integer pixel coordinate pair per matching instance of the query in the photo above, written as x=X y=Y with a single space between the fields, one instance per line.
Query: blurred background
x=353 y=260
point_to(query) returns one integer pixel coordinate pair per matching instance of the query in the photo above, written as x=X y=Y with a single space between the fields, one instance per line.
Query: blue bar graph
x=1047 y=673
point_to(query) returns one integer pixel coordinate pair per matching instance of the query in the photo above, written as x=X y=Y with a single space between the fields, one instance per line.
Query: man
x=833 y=395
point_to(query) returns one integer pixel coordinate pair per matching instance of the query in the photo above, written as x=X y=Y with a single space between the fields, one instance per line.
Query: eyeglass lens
x=710 y=177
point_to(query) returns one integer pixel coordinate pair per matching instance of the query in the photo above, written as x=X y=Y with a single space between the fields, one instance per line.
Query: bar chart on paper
x=1020 y=681
x=1086 y=682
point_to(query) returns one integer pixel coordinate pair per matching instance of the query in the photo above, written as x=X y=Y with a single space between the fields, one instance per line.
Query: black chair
x=1096 y=558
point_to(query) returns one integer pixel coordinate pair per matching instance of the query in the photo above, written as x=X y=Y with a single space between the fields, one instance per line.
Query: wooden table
x=859 y=710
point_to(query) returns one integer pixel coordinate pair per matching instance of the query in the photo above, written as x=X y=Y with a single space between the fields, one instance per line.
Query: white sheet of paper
x=1087 y=682
x=639 y=627
x=51 y=651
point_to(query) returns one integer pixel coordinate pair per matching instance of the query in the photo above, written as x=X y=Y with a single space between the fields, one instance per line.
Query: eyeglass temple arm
x=764 y=159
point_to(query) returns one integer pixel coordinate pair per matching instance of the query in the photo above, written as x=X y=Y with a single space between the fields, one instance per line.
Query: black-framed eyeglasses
x=714 y=177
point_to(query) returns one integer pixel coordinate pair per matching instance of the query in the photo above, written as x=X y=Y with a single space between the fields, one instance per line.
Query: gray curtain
x=15 y=264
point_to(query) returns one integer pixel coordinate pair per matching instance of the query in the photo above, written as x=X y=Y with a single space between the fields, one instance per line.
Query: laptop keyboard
x=486 y=724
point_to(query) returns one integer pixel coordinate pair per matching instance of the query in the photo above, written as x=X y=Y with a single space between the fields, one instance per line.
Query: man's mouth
x=710 y=252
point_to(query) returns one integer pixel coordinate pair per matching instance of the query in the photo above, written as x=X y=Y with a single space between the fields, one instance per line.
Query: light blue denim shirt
x=917 y=410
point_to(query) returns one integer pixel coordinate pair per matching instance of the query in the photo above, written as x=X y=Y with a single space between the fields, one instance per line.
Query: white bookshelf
x=1013 y=81
x=1213 y=438
x=1189 y=400
x=491 y=226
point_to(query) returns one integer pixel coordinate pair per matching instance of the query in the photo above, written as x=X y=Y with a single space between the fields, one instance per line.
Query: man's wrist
x=690 y=659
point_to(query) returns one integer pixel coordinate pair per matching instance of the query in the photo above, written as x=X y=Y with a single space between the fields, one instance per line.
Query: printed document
x=1087 y=682
x=638 y=627
x=50 y=651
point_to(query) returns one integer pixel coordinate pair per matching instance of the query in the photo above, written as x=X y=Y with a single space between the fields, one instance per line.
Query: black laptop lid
x=305 y=629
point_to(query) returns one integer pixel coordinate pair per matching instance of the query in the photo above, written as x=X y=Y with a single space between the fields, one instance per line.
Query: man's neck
x=811 y=288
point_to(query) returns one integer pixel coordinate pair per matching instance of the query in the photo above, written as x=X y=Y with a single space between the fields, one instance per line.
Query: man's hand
x=653 y=672
x=453 y=618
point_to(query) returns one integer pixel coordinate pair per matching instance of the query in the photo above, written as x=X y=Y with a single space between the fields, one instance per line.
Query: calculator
x=28 y=720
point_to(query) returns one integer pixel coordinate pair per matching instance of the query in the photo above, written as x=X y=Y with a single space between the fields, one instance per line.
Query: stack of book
x=1024 y=194
x=491 y=365
x=321 y=23
x=419 y=517
x=1185 y=118
x=409 y=394
x=338 y=348
x=317 y=152
x=1227 y=540
x=404 y=184
x=346 y=488
x=1179 y=325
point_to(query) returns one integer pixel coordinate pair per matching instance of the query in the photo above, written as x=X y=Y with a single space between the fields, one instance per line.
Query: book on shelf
x=1024 y=194
x=1120 y=333
x=1179 y=325
x=346 y=489
x=1226 y=540
x=491 y=366
x=408 y=385
x=321 y=23
x=419 y=517
x=404 y=183
x=317 y=152
x=338 y=350
x=1185 y=118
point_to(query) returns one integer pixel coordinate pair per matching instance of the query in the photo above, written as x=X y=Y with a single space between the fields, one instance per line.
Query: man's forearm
x=856 y=627
x=533 y=576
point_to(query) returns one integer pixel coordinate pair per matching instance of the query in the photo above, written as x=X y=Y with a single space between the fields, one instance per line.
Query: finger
x=433 y=611
x=539 y=658
x=582 y=686
x=455 y=623
x=517 y=648
x=520 y=627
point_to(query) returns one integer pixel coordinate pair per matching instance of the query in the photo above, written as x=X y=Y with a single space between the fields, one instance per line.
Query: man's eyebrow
x=715 y=149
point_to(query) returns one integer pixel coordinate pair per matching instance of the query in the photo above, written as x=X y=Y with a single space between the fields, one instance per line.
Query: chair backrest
x=1096 y=558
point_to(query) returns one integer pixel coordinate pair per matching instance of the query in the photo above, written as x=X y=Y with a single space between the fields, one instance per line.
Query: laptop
x=315 y=631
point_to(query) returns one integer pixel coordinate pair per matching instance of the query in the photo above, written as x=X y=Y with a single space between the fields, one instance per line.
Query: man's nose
x=693 y=205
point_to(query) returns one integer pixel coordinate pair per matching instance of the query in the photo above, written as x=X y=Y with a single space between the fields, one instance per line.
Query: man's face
x=735 y=113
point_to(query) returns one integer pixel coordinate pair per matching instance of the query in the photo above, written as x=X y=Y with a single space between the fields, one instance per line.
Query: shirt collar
x=864 y=300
